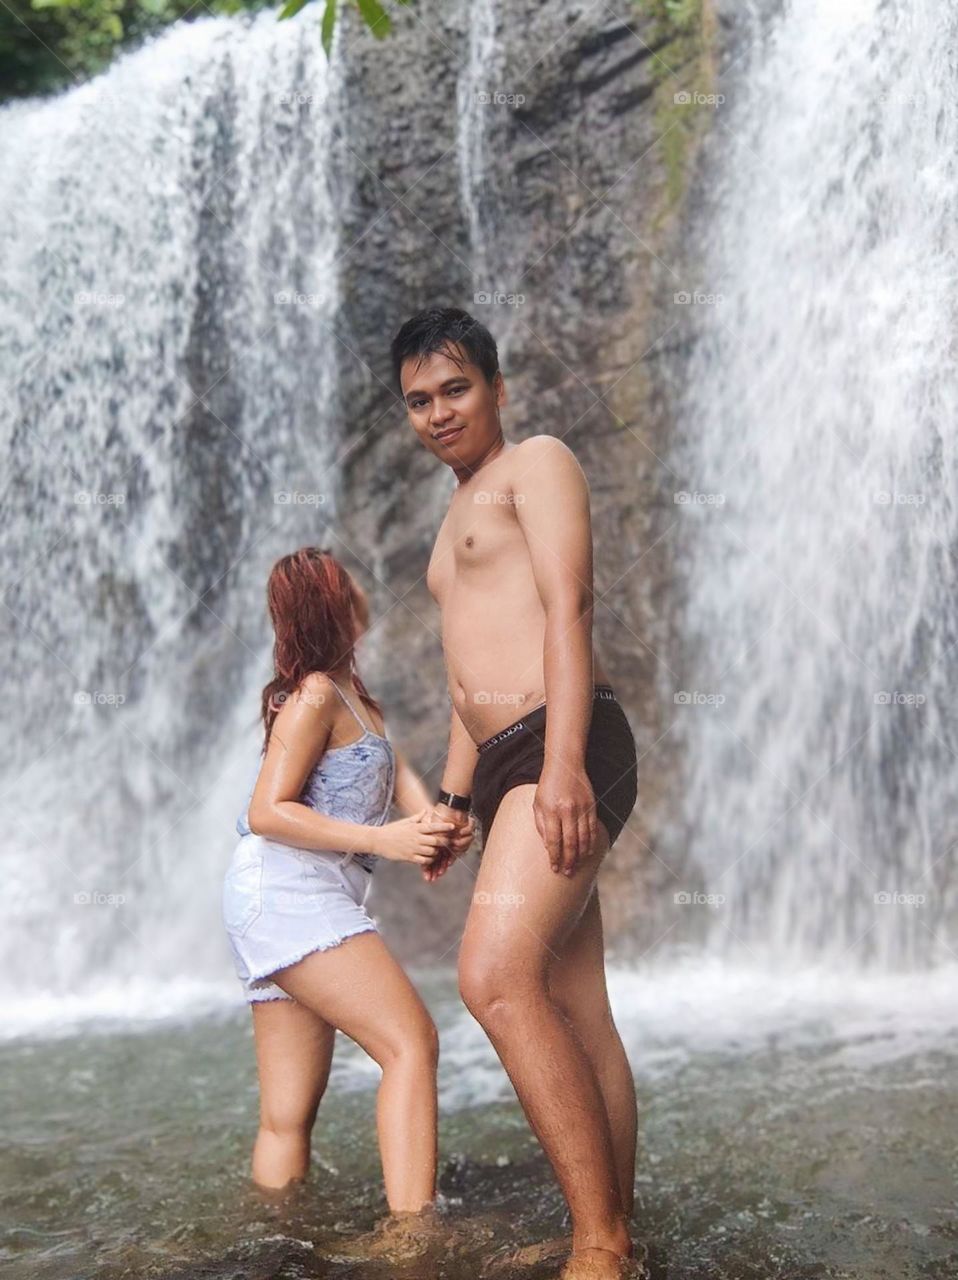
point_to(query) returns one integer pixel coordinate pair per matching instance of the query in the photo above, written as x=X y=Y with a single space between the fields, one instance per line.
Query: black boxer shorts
x=515 y=756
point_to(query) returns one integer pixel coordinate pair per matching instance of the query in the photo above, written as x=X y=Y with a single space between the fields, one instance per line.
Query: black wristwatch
x=452 y=801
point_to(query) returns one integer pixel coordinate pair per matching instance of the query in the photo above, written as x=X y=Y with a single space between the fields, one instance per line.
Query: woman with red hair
x=306 y=950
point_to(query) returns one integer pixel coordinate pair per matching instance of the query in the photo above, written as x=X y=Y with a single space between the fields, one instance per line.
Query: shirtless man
x=512 y=574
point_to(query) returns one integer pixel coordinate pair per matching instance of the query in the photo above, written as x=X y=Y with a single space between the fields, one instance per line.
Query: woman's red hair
x=311 y=603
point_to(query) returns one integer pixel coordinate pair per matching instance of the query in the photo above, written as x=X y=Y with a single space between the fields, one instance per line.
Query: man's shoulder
x=546 y=459
x=541 y=446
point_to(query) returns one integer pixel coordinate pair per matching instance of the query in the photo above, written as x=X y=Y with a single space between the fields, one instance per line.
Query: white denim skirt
x=281 y=903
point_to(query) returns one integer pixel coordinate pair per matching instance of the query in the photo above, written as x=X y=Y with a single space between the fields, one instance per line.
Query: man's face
x=452 y=408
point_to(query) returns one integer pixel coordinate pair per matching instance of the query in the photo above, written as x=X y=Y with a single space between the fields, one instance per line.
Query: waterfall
x=818 y=517
x=486 y=184
x=168 y=246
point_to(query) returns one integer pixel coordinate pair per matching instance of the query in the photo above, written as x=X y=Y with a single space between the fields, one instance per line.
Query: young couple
x=512 y=574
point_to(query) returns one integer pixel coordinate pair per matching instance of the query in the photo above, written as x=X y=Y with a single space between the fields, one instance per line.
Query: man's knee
x=491 y=990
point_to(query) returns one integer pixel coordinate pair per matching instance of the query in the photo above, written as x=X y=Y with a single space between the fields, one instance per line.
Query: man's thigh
x=522 y=911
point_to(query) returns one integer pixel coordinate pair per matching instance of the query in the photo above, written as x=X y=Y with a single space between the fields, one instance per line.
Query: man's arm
x=411 y=797
x=461 y=758
x=552 y=507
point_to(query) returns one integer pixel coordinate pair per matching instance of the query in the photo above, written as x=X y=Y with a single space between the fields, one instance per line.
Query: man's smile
x=447 y=434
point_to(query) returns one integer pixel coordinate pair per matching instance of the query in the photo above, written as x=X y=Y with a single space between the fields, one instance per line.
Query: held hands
x=421 y=839
x=564 y=811
x=457 y=844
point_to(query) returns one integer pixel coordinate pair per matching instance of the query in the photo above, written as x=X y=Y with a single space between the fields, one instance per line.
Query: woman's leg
x=294 y=1049
x=361 y=989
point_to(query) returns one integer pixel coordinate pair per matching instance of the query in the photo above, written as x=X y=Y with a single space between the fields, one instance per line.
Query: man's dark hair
x=439 y=330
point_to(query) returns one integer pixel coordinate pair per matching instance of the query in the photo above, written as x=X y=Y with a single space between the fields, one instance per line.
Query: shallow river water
x=800 y=1128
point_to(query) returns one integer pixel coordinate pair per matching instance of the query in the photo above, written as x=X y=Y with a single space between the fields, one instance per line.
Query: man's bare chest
x=479 y=535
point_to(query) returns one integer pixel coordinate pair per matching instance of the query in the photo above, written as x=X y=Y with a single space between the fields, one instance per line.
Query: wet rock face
x=518 y=160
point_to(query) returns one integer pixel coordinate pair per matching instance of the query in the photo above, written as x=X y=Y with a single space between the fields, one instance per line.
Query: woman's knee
x=416 y=1045
x=287 y=1120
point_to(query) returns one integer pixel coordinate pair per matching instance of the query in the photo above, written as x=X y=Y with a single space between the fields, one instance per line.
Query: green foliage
x=682 y=68
x=46 y=44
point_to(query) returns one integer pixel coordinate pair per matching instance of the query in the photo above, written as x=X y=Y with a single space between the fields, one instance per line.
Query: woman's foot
x=399 y=1238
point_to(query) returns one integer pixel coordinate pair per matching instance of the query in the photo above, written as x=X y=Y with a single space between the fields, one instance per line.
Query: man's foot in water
x=603 y=1264
x=508 y=1259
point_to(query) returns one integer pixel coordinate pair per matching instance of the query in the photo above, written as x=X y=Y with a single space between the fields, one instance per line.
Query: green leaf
x=291 y=8
x=375 y=17
x=329 y=23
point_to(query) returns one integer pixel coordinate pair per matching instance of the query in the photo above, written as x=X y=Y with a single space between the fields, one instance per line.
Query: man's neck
x=464 y=474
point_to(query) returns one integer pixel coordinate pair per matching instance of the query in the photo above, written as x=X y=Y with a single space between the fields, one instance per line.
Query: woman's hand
x=420 y=838
x=456 y=846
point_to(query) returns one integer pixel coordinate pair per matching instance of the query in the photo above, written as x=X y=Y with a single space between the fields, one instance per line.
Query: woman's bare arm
x=410 y=794
x=299 y=737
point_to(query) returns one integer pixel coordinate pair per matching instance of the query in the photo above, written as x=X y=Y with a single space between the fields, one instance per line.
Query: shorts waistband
x=604 y=692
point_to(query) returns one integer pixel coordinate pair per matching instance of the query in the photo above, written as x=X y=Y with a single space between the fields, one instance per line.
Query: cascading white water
x=496 y=253
x=168 y=248
x=819 y=437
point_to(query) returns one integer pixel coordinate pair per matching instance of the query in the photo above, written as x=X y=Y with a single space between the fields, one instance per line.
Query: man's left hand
x=459 y=841
x=564 y=810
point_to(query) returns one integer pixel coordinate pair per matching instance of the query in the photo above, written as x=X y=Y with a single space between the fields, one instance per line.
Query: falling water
x=819 y=508
x=168 y=253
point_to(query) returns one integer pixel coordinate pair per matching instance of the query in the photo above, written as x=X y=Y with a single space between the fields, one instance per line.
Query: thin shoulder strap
x=362 y=723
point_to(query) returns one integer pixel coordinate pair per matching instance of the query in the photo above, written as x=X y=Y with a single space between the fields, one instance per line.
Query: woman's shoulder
x=318 y=690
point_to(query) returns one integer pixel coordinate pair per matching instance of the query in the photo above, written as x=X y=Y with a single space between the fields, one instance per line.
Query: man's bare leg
x=522 y=914
x=577 y=983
